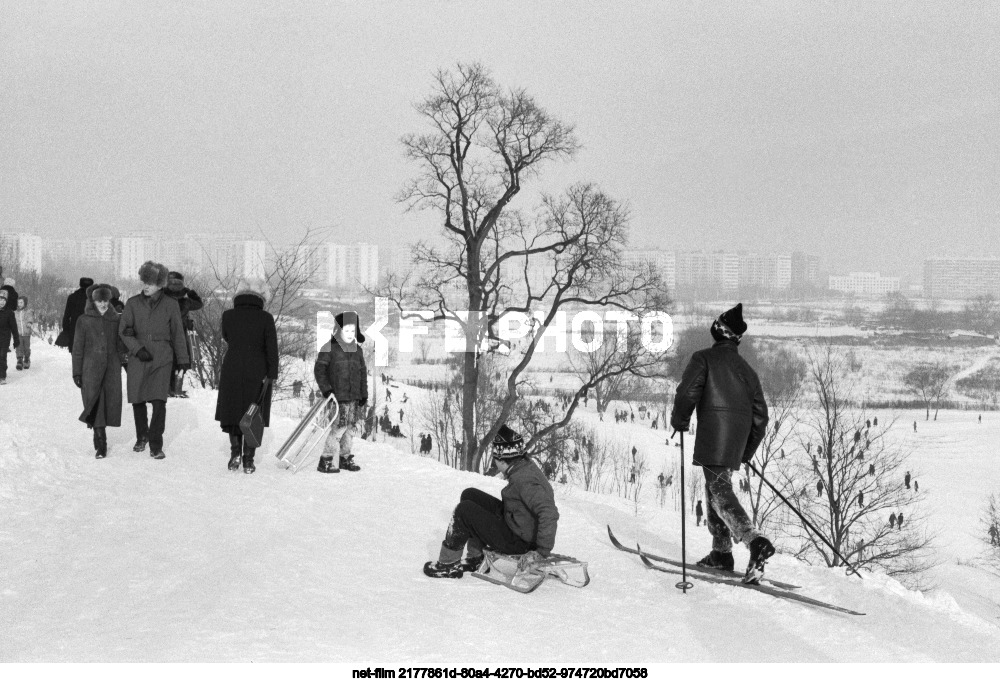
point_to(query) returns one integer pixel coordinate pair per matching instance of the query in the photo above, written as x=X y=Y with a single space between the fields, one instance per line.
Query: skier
x=8 y=333
x=861 y=498
x=819 y=487
x=189 y=301
x=251 y=357
x=296 y=388
x=76 y=303
x=914 y=427
x=699 y=511
x=916 y=487
x=727 y=395
x=25 y=326
x=899 y=520
x=892 y=520
x=97 y=364
x=523 y=521
x=994 y=535
x=980 y=419
x=152 y=329
x=874 y=421
x=340 y=370
x=871 y=469
x=906 y=480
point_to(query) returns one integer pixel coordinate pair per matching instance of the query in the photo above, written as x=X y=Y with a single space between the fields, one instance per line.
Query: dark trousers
x=478 y=520
x=3 y=363
x=151 y=430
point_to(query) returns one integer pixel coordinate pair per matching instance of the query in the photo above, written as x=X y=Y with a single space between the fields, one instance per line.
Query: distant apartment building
x=961 y=278
x=771 y=272
x=864 y=283
x=804 y=270
x=21 y=249
x=702 y=270
x=350 y=266
x=665 y=263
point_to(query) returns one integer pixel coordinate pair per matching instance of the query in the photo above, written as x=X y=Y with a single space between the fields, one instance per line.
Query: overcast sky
x=865 y=132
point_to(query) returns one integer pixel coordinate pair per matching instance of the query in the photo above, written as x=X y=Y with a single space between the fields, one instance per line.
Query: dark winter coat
x=154 y=323
x=8 y=330
x=97 y=359
x=251 y=355
x=188 y=300
x=732 y=413
x=76 y=304
x=529 y=506
x=11 y=297
x=342 y=372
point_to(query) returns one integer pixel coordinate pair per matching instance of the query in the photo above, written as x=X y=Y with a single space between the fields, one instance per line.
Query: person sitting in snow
x=340 y=369
x=523 y=521
x=727 y=394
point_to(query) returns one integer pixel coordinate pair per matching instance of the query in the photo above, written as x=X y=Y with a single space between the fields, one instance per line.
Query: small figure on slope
x=523 y=521
x=730 y=404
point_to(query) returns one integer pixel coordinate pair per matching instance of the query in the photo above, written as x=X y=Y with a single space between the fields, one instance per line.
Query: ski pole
x=684 y=585
x=809 y=526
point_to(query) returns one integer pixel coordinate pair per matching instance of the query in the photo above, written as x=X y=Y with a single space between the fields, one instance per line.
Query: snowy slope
x=131 y=559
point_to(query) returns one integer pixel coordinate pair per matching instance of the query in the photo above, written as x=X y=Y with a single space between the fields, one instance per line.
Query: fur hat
x=349 y=317
x=85 y=282
x=99 y=293
x=507 y=444
x=153 y=273
x=175 y=280
x=251 y=292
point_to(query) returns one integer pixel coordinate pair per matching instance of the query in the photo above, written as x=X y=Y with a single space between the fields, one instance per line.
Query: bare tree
x=990 y=528
x=929 y=381
x=483 y=143
x=982 y=314
x=858 y=473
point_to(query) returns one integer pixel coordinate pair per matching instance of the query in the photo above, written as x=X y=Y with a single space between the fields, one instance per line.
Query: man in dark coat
x=8 y=333
x=152 y=330
x=732 y=418
x=251 y=358
x=76 y=303
x=97 y=364
x=340 y=370
x=189 y=301
x=523 y=521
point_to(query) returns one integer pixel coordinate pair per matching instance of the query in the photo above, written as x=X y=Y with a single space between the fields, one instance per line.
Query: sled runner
x=309 y=433
x=501 y=569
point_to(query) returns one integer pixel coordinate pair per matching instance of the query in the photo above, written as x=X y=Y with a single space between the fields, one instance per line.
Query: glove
x=144 y=355
x=528 y=560
x=184 y=366
x=363 y=403
x=78 y=380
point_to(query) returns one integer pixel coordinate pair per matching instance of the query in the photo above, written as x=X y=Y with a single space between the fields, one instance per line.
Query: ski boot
x=761 y=550
x=435 y=569
x=100 y=442
x=348 y=463
x=248 y=467
x=140 y=444
x=470 y=564
x=326 y=465
x=235 y=452
x=722 y=561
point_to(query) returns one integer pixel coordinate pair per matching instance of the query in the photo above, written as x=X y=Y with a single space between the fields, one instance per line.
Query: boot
x=347 y=462
x=435 y=569
x=140 y=444
x=27 y=363
x=471 y=563
x=761 y=550
x=235 y=452
x=20 y=365
x=326 y=465
x=100 y=442
x=722 y=561
x=248 y=467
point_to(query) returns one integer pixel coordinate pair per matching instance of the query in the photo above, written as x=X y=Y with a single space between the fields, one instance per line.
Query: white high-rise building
x=864 y=283
x=130 y=254
x=22 y=249
x=353 y=266
x=665 y=263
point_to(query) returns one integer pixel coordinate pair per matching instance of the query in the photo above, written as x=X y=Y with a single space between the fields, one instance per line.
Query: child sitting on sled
x=522 y=522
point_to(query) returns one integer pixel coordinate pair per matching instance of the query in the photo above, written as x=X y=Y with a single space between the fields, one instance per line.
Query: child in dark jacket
x=523 y=521
x=340 y=370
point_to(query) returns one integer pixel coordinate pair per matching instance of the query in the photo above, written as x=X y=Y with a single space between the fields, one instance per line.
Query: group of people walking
x=17 y=323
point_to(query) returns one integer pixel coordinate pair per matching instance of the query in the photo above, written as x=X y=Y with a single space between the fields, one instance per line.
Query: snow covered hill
x=131 y=559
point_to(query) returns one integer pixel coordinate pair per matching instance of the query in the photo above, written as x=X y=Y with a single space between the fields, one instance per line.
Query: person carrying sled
x=98 y=352
x=523 y=521
x=732 y=412
x=340 y=370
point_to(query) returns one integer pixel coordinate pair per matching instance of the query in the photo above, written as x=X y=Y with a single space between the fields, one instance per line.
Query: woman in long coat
x=251 y=356
x=97 y=364
x=153 y=332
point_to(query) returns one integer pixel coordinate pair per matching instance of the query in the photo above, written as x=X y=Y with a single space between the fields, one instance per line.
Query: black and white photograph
x=479 y=339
